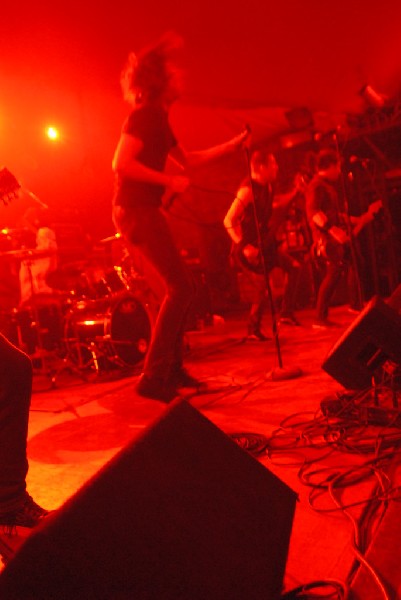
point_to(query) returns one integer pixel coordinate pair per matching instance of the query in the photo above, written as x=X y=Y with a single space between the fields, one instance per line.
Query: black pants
x=333 y=272
x=15 y=398
x=146 y=230
x=291 y=268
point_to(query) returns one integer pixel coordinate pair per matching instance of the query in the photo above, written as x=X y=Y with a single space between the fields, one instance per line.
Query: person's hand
x=338 y=234
x=242 y=139
x=251 y=253
x=178 y=183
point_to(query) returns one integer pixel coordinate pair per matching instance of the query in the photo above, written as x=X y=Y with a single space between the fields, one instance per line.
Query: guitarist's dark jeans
x=15 y=397
x=333 y=274
x=292 y=270
x=146 y=229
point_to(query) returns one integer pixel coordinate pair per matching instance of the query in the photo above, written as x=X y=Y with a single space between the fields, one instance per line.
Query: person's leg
x=148 y=231
x=165 y=351
x=15 y=396
x=327 y=288
x=291 y=268
x=17 y=508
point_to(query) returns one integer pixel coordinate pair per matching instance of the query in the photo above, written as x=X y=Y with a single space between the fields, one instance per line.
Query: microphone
x=357 y=160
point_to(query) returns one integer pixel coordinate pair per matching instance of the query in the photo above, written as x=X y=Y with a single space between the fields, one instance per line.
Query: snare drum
x=119 y=327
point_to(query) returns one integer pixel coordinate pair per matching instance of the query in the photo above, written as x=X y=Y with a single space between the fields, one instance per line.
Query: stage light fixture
x=52 y=133
x=372 y=98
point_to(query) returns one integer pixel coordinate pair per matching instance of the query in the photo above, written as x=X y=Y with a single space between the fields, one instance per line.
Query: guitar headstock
x=301 y=182
x=375 y=207
x=9 y=186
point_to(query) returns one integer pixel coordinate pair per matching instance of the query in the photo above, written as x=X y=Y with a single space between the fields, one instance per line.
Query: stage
x=76 y=427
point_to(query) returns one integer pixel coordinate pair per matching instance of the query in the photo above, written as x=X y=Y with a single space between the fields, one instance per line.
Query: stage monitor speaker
x=180 y=513
x=395 y=299
x=372 y=339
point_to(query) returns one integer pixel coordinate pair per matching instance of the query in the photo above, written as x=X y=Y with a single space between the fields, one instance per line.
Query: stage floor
x=77 y=427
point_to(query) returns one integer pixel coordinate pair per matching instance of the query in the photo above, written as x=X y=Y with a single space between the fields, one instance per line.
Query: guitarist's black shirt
x=150 y=124
x=263 y=198
x=322 y=196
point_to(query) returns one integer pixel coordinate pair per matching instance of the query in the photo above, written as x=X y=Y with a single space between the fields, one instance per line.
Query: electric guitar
x=333 y=247
x=9 y=186
x=247 y=255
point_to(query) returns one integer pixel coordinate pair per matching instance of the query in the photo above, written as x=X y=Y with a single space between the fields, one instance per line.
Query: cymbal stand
x=49 y=360
x=80 y=354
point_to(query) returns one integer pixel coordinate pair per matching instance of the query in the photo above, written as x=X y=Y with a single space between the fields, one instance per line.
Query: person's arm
x=358 y=223
x=320 y=219
x=126 y=164
x=197 y=158
x=322 y=222
x=284 y=199
x=232 y=220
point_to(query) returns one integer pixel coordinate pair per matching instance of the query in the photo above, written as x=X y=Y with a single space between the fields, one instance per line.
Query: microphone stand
x=278 y=373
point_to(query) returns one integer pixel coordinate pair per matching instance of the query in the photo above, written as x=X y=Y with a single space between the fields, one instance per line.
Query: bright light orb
x=52 y=133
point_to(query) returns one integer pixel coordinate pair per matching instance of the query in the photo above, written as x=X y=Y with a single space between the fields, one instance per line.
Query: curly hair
x=152 y=73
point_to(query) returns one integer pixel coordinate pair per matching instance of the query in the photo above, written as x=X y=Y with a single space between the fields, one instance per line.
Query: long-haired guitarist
x=251 y=222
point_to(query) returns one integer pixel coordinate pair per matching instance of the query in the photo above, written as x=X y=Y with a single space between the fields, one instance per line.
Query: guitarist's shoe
x=183 y=379
x=16 y=526
x=256 y=335
x=155 y=389
x=325 y=324
x=289 y=319
x=28 y=515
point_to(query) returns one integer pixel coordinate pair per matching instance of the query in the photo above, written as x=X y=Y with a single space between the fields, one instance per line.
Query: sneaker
x=289 y=319
x=325 y=324
x=257 y=336
x=183 y=379
x=353 y=310
x=155 y=388
x=28 y=515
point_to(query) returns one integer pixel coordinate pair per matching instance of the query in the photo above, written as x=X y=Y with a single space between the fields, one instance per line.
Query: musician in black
x=325 y=219
x=17 y=508
x=335 y=236
x=252 y=222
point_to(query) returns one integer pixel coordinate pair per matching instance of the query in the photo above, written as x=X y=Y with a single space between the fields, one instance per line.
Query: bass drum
x=117 y=329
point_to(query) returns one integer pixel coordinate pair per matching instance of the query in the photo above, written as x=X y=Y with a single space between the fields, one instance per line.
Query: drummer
x=35 y=270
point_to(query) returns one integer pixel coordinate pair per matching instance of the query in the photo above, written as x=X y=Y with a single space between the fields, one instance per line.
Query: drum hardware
x=112 y=332
x=114 y=281
x=38 y=326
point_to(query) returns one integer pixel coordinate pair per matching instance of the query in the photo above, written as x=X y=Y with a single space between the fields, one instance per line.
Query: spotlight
x=52 y=133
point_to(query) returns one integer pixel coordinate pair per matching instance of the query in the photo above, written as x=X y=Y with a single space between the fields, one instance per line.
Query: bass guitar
x=248 y=254
x=335 y=245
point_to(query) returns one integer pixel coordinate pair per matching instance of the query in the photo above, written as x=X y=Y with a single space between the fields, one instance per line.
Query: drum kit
x=94 y=319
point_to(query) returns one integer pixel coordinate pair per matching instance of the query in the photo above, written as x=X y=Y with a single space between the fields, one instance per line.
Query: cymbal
x=29 y=254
